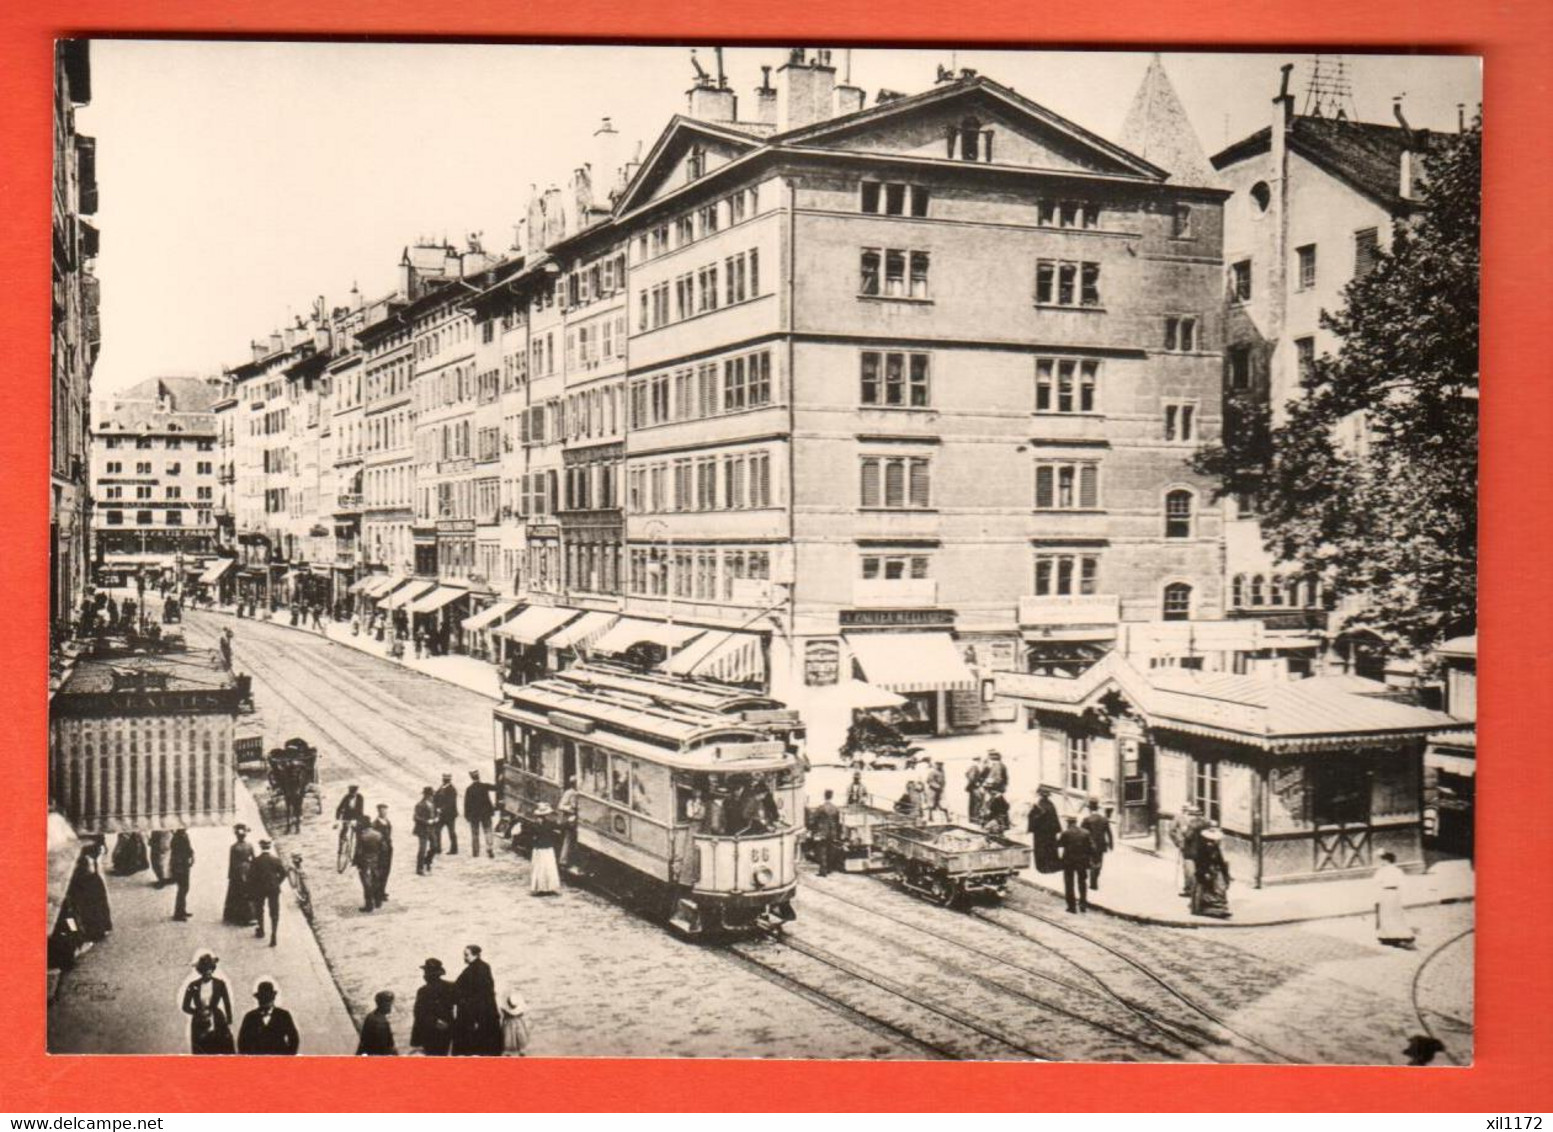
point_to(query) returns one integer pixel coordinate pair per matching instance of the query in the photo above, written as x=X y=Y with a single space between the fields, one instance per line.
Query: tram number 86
x=760 y=855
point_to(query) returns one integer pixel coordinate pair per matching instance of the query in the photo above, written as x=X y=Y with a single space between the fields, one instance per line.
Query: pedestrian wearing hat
x=1045 y=827
x=937 y=783
x=267 y=1030
x=265 y=877
x=1210 y=882
x=431 y=1030
x=1185 y=834
x=369 y=857
x=1098 y=826
x=238 y=908
x=476 y=1020
x=514 y=1023
x=478 y=808
x=1077 y=855
x=209 y=1007
x=544 y=836
x=377 y=1035
x=995 y=779
x=180 y=867
x=425 y=831
x=974 y=775
x=447 y=814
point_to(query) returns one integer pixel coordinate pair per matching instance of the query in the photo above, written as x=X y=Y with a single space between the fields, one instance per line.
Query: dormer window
x=695 y=164
x=969 y=142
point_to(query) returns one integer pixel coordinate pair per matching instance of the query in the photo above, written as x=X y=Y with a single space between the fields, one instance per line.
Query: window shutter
x=870 y=489
x=1089 y=485
x=919 y=483
x=1045 y=485
x=894 y=483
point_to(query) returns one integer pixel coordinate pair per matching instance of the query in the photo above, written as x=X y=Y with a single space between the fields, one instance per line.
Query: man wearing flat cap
x=265 y=877
x=267 y=1030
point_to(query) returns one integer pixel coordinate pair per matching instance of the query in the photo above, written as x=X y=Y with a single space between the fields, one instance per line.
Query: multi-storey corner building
x=154 y=473
x=1312 y=200
x=344 y=379
x=75 y=332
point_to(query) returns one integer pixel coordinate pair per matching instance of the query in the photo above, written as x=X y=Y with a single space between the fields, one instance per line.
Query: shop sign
x=821 y=663
x=896 y=618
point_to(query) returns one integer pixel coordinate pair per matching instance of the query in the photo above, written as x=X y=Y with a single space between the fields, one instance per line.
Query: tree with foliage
x=1369 y=481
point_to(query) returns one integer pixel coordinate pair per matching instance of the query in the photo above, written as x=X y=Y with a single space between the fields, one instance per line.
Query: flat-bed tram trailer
x=693 y=813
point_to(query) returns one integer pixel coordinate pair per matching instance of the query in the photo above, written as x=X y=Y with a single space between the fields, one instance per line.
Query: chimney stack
x=406 y=274
x=606 y=163
x=259 y=350
x=807 y=90
x=1405 y=170
x=766 y=99
x=1285 y=100
x=277 y=342
x=1461 y=117
x=709 y=97
x=849 y=98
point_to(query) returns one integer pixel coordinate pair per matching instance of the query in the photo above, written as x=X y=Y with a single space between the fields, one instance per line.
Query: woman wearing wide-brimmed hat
x=545 y=835
x=514 y=1023
x=209 y=1006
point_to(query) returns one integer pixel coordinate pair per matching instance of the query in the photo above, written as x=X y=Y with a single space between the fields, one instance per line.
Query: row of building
x=859 y=403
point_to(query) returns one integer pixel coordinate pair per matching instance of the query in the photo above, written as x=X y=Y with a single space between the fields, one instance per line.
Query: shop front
x=926 y=669
x=1308 y=779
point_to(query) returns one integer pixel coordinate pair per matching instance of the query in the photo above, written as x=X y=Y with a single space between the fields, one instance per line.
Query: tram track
x=1418 y=1009
x=1187 y=1034
x=1000 y=917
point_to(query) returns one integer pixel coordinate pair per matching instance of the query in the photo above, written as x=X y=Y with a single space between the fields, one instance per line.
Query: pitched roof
x=1157 y=129
x=1365 y=155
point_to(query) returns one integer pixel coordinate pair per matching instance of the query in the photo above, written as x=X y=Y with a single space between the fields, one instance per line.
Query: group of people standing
x=1075 y=846
x=459 y=1017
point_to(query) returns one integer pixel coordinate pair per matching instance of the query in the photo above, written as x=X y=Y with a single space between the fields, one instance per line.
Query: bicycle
x=347 y=851
x=298 y=880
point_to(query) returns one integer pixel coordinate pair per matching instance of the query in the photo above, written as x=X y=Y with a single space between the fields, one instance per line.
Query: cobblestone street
x=866 y=971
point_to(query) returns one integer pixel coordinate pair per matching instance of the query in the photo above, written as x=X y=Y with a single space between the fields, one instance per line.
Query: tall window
x=1065 y=573
x=1067 y=485
x=1077 y=763
x=1180 y=421
x=1181 y=221
x=899 y=380
x=1307 y=266
x=896 y=482
x=1240 y=281
x=1366 y=250
x=1205 y=789
x=1065 y=385
x=1181 y=334
x=1178 y=514
x=1239 y=365
x=1177 y=605
x=1304 y=356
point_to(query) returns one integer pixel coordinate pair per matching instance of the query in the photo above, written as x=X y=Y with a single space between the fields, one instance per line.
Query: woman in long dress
x=239 y=905
x=514 y=1024
x=1391 y=926
x=544 y=875
x=209 y=1007
x=1210 y=892
x=87 y=895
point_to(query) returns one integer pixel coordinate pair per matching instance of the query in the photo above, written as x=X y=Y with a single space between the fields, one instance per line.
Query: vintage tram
x=688 y=795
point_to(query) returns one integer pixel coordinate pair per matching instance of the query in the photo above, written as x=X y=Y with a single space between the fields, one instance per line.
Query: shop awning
x=1464 y=765
x=216 y=570
x=631 y=631
x=912 y=662
x=442 y=595
x=378 y=584
x=536 y=623
x=407 y=593
x=489 y=616
x=581 y=633
x=735 y=658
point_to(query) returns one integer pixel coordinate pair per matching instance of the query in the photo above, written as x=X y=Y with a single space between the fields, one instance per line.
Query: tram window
x=641 y=796
x=620 y=780
x=595 y=771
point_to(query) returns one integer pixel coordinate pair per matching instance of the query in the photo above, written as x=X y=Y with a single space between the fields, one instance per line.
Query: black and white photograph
x=763 y=552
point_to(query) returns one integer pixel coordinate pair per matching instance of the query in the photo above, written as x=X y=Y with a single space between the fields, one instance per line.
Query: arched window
x=1238 y=592
x=1178 y=602
x=1178 y=514
x=1275 y=589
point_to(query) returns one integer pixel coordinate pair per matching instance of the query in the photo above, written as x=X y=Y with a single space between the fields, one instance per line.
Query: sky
x=241 y=180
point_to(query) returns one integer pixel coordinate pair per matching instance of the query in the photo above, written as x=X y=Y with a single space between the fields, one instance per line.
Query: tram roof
x=640 y=725
x=707 y=694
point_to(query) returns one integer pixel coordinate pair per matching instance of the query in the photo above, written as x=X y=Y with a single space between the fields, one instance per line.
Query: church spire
x=1157 y=129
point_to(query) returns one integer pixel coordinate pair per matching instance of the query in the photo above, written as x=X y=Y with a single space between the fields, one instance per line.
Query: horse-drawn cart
x=293 y=778
x=949 y=863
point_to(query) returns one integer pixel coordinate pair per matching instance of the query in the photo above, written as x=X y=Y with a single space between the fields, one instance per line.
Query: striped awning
x=536 y=623
x=215 y=570
x=734 y=658
x=407 y=593
x=631 y=631
x=442 y=595
x=911 y=662
x=379 y=584
x=489 y=616
x=581 y=633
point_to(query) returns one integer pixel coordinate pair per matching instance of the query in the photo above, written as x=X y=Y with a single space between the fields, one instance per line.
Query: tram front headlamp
x=763 y=877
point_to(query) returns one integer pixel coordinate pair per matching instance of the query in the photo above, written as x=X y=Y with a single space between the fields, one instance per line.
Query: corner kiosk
x=689 y=793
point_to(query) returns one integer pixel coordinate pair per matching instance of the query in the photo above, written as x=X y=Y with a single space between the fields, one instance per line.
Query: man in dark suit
x=385 y=861
x=1098 y=826
x=377 y=1036
x=265 y=877
x=180 y=865
x=478 y=809
x=432 y=1028
x=267 y=1029
x=827 y=833
x=1077 y=851
x=447 y=814
x=369 y=855
x=476 y=1019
